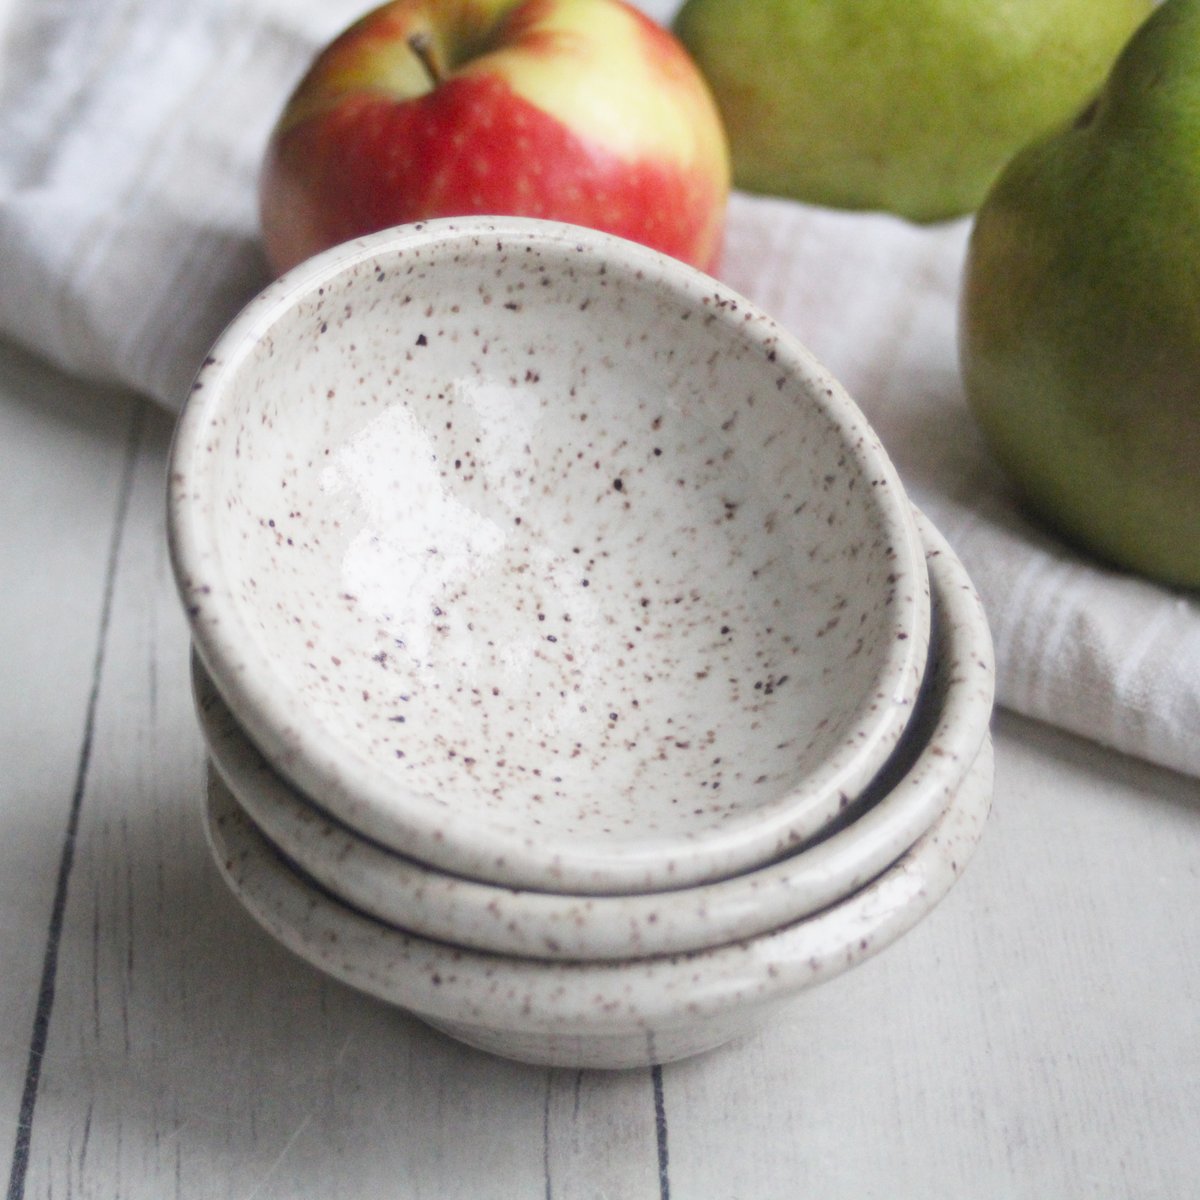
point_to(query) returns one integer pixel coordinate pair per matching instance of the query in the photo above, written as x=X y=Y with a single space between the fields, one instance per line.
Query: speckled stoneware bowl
x=599 y=1014
x=939 y=746
x=545 y=559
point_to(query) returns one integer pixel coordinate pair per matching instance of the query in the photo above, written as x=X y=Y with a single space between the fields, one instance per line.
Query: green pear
x=1080 y=312
x=911 y=106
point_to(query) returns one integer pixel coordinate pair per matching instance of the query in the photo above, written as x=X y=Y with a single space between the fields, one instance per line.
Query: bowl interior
x=513 y=536
x=948 y=726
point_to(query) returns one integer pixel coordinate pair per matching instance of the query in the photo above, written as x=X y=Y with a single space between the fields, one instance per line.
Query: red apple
x=583 y=111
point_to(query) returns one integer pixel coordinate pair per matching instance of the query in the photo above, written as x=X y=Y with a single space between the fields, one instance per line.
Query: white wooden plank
x=62 y=450
x=1036 y=1036
x=189 y=1055
x=998 y=1050
x=7 y=9
x=601 y=1135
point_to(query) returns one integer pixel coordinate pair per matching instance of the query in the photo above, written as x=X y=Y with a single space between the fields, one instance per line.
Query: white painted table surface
x=1037 y=1036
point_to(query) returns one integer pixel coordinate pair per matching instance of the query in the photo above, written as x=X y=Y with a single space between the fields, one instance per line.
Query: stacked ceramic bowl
x=574 y=670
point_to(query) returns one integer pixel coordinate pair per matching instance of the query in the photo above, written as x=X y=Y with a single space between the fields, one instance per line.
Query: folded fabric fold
x=130 y=136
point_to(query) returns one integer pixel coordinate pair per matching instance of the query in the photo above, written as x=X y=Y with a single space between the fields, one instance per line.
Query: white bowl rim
x=498 y=992
x=482 y=916
x=363 y=795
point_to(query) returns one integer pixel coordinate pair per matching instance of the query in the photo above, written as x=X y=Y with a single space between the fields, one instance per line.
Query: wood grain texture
x=1035 y=1036
x=188 y=1055
x=63 y=451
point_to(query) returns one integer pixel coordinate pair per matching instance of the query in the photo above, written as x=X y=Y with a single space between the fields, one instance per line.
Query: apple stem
x=421 y=44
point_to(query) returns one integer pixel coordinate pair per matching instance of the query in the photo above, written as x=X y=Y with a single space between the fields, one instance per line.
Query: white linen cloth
x=130 y=138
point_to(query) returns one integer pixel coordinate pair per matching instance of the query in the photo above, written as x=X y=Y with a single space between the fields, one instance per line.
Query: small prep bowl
x=938 y=748
x=545 y=559
x=597 y=1014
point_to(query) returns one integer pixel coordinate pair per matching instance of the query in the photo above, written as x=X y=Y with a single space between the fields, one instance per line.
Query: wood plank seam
x=45 y=1000
x=660 y=1132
